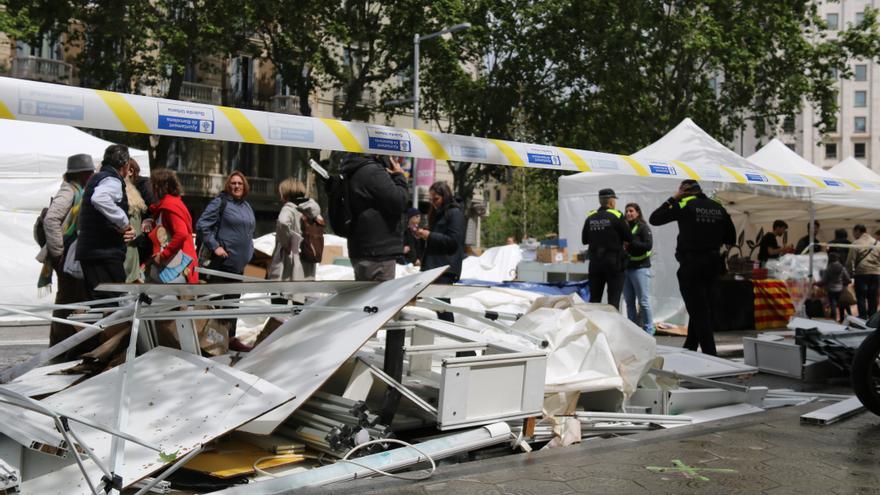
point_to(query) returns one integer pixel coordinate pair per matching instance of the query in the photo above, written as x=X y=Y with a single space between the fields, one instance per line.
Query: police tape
x=98 y=109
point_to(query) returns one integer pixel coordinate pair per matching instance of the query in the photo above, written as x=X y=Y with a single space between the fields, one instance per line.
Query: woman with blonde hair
x=290 y=259
x=226 y=228
x=138 y=212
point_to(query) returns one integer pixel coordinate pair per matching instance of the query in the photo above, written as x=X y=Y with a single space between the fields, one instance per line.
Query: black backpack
x=39 y=230
x=339 y=207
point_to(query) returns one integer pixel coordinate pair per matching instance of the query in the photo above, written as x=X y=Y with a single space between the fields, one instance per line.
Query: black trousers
x=602 y=273
x=866 y=294
x=698 y=282
x=97 y=272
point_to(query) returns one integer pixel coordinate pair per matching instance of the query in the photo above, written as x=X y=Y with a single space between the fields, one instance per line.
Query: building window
x=860 y=16
x=788 y=124
x=833 y=73
x=832 y=21
x=860 y=124
x=830 y=150
x=497 y=194
x=861 y=72
x=861 y=99
x=859 y=150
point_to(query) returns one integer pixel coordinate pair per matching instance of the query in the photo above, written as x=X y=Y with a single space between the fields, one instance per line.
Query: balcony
x=200 y=93
x=210 y=185
x=42 y=69
x=284 y=104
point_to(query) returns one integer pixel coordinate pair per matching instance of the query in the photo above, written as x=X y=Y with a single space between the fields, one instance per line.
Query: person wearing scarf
x=60 y=226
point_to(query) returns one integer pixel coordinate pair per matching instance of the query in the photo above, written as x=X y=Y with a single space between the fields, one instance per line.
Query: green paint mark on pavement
x=688 y=471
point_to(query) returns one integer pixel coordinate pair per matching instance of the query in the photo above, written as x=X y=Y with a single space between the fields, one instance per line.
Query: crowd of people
x=109 y=224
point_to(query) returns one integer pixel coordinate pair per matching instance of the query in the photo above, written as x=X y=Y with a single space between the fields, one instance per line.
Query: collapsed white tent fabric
x=853 y=169
x=752 y=205
x=32 y=160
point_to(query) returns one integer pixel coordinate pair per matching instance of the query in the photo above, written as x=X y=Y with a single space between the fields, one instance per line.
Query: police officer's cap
x=607 y=193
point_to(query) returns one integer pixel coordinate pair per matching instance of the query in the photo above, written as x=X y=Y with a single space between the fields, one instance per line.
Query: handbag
x=72 y=266
x=178 y=265
x=847 y=296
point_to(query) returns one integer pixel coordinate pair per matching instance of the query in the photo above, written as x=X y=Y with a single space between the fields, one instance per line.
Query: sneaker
x=239 y=346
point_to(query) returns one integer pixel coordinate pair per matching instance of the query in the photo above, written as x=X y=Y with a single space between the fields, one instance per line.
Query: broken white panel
x=44 y=380
x=692 y=363
x=10 y=465
x=824 y=326
x=783 y=358
x=32 y=431
x=719 y=413
x=308 y=348
x=685 y=400
x=834 y=412
x=178 y=401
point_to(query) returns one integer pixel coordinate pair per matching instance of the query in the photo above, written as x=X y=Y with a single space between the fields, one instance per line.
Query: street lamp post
x=416 y=41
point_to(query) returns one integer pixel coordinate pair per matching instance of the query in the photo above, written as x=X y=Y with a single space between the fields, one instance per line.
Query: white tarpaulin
x=753 y=203
x=497 y=264
x=33 y=158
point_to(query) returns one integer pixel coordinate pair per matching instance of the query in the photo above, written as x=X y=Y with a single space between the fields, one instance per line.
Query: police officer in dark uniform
x=605 y=232
x=703 y=227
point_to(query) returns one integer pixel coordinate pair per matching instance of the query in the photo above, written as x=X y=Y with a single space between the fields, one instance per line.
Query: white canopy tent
x=777 y=157
x=752 y=205
x=33 y=159
x=852 y=169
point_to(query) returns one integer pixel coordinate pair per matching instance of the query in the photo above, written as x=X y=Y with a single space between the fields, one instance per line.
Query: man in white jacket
x=864 y=263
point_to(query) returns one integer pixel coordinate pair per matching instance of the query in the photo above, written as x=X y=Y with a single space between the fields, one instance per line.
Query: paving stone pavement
x=768 y=452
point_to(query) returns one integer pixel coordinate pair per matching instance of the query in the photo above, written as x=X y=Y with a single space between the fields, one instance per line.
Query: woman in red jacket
x=174 y=252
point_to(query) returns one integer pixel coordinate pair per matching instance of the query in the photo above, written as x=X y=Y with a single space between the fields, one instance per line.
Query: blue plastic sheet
x=582 y=288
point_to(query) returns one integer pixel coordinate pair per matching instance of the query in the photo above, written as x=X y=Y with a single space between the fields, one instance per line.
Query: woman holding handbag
x=174 y=252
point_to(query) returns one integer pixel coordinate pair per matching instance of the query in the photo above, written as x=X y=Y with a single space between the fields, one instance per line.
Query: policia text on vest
x=703 y=227
x=604 y=232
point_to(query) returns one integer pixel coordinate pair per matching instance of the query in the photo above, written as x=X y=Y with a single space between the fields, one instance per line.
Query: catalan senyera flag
x=773 y=304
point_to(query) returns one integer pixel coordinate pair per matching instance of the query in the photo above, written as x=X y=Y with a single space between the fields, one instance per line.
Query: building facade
x=858 y=117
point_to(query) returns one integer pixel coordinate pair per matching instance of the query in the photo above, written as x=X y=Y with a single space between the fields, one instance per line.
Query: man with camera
x=377 y=195
x=703 y=227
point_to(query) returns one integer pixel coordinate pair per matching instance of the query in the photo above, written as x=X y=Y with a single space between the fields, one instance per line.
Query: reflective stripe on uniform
x=641 y=257
x=685 y=201
x=614 y=212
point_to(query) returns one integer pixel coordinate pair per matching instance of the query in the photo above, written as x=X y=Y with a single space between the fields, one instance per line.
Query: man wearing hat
x=59 y=226
x=605 y=232
x=703 y=227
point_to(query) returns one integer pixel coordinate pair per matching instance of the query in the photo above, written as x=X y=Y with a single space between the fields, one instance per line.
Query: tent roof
x=777 y=157
x=688 y=143
x=37 y=149
x=854 y=170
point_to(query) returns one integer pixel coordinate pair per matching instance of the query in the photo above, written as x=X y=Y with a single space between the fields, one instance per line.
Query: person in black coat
x=444 y=237
x=378 y=194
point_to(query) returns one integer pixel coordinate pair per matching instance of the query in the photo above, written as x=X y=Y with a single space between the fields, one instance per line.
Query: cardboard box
x=330 y=253
x=251 y=270
x=552 y=254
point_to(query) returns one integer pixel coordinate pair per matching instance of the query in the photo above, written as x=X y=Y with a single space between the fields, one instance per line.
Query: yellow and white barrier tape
x=82 y=107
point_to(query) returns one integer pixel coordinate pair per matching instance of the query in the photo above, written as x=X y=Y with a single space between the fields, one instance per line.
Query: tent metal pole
x=811 y=232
